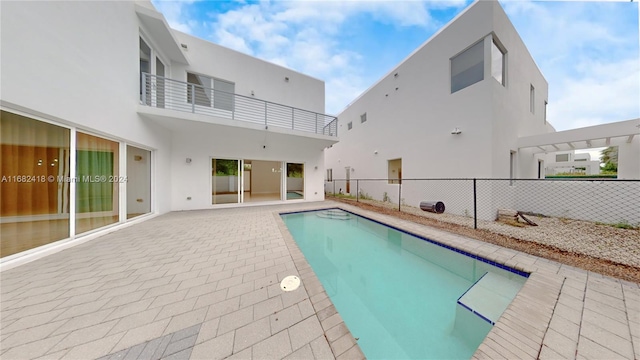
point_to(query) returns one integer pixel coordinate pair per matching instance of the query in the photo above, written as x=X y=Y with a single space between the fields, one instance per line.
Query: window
x=497 y=63
x=532 y=99
x=210 y=92
x=34 y=206
x=394 y=171
x=562 y=157
x=329 y=174
x=145 y=67
x=97 y=194
x=349 y=125
x=581 y=160
x=200 y=91
x=545 y=111
x=363 y=118
x=467 y=68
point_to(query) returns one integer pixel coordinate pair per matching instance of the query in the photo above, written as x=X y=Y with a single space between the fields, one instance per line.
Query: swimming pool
x=403 y=296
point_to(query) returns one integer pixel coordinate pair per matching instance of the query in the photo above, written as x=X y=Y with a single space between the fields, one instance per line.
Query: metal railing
x=161 y=92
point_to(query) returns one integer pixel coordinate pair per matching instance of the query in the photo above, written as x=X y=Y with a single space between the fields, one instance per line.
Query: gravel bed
x=601 y=248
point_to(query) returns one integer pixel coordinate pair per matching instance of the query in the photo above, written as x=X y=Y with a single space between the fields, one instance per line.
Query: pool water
x=397 y=293
x=292 y=195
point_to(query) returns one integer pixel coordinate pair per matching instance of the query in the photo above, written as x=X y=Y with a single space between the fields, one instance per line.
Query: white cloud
x=589 y=55
x=174 y=12
x=588 y=52
x=606 y=92
x=306 y=36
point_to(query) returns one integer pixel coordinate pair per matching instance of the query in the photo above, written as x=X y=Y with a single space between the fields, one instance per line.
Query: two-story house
x=109 y=116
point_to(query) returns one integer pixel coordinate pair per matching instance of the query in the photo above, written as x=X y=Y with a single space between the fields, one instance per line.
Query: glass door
x=295 y=181
x=225 y=181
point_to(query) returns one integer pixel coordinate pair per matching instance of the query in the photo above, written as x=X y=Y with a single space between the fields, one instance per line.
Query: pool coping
x=518 y=333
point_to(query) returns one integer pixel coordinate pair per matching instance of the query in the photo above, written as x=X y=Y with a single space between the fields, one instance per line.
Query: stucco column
x=629 y=159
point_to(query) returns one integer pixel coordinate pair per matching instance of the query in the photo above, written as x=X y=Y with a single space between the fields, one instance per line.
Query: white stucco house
x=454 y=108
x=570 y=162
x=470 y=102
x=109 y=117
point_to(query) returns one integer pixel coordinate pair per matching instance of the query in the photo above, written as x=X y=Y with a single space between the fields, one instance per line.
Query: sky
x=587 y=50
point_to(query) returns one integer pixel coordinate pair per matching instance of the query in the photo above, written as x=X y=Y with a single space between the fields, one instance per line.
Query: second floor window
x=210 y=92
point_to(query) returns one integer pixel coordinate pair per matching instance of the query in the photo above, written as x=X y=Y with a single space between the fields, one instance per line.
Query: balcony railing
x=161 y=92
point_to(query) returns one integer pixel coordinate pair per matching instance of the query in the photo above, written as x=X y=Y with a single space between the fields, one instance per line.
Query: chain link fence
x=476 y=202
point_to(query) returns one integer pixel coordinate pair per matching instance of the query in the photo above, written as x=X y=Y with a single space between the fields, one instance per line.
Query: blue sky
x=587 y=50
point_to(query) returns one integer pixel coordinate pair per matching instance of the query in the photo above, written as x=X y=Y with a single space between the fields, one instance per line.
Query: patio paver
x=205 y=285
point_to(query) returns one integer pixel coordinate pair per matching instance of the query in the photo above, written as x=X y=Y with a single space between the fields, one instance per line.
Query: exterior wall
x=194 y=179
x=411 y=116
x=512 y=117
x=629 y=159
x=264 y=79
x=77 y=64
x=70 y=64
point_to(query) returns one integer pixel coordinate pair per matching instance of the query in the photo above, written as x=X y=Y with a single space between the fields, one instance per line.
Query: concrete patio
x=205 y=285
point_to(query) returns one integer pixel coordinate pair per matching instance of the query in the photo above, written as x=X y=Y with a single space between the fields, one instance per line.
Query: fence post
x=357 y=190
x=334 y=187
x=475 y=207
x=399 y=195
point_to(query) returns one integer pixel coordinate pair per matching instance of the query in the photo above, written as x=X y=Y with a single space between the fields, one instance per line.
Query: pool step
x=335 y=214
x=489 y=297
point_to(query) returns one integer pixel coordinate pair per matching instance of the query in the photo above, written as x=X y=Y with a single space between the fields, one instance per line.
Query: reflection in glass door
x=295 y=181
x=225 y=181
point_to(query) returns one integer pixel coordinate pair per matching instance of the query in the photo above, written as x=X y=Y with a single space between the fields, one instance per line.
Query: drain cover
x=290 y=283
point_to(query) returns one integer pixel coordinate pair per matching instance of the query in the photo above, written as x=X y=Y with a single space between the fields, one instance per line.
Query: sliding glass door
x=263 y=180
x=34 y=166
x=295 y=181
x=97 y=165
x=225 y=181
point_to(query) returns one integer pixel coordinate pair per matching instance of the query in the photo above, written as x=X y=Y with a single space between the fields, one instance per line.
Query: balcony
x=161 y=92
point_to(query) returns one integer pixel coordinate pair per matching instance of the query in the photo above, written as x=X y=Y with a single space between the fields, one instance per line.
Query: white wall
x=295 y=184
x=411 y=115
x=267 y=177
x=198 y=142
x=512 y=117
x=139 y=184
x=265 y=79
x=629 y=159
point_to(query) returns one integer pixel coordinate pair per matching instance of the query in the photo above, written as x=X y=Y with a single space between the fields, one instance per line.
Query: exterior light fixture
x=188 y=160
x=456 y=131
